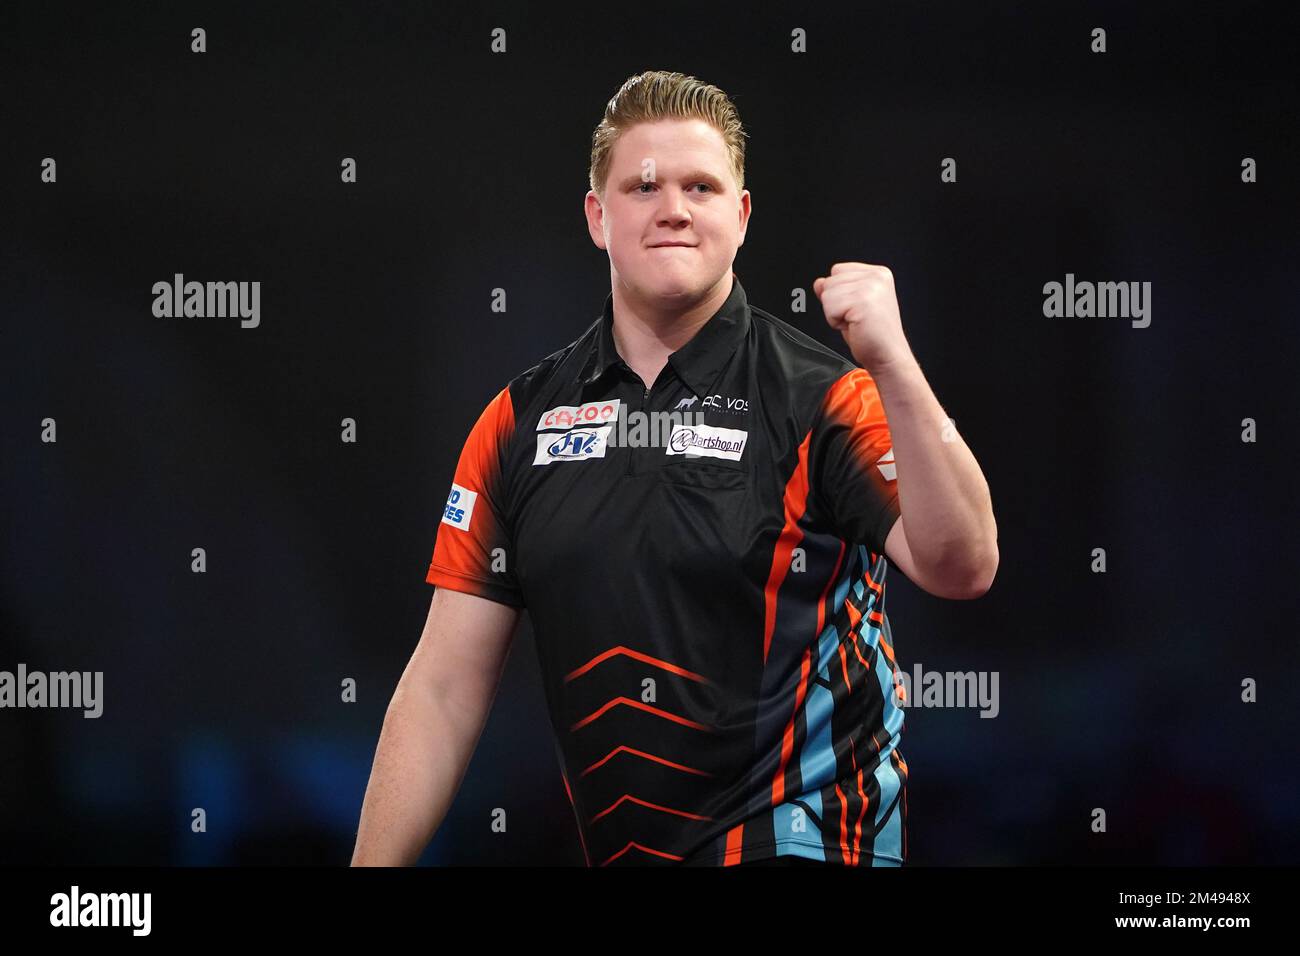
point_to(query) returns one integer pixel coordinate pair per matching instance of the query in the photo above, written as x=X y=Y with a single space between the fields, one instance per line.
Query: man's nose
x=674 y=207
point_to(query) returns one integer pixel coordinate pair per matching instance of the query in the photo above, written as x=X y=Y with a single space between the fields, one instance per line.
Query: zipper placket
x=631 y=451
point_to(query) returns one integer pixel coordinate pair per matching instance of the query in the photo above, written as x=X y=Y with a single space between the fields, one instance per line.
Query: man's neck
x=646 y=336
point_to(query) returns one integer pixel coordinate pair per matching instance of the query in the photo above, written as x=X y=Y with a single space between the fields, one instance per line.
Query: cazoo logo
x=570 y=416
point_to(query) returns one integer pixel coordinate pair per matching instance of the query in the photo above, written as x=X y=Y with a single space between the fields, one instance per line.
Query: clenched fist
x=860 y=302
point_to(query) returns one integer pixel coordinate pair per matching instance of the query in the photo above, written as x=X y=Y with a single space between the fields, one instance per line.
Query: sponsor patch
x=571 y=416
x=887 y=467
x=460 y=507
x=577 y=444
x=707 y=441
x=724 y=403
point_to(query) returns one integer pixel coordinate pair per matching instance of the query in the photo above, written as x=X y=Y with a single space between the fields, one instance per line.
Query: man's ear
x=594 y=210
x=745 y=209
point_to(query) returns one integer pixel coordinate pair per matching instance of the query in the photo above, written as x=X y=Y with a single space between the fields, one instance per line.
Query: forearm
x=942 y=493
x=423 y=751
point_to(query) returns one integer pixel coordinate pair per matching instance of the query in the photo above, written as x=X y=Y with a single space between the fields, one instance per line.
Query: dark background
x=222 y=690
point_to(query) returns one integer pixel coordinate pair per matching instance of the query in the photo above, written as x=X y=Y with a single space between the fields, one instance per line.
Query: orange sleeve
x=473 y=551
x=851 y=458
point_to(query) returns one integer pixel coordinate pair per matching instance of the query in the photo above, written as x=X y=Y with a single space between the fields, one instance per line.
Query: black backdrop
x=1119 y=690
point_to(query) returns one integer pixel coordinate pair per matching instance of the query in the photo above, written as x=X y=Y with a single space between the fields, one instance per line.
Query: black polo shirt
x=709 y=608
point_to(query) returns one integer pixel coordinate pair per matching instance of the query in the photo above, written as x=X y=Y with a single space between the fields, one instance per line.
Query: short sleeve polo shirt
x=708 y=598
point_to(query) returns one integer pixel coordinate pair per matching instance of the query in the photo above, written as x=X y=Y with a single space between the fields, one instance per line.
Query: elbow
x=978 y=585
x=968 y=579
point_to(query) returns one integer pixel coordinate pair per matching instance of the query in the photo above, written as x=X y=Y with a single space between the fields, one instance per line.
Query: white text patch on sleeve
x=460 y=507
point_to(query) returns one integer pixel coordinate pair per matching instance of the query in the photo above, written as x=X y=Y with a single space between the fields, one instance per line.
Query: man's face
x=669 y=182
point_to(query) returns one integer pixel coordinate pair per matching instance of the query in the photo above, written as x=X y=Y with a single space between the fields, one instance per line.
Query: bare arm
x=950 y=545
x=432 y=726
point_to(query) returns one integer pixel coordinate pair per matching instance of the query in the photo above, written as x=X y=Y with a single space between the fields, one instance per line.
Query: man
x=708 y=603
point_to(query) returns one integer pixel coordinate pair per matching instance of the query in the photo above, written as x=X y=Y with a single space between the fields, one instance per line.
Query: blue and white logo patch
x=577 y=444
x=460 y=507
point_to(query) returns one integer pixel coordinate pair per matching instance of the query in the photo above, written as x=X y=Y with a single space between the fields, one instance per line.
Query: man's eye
x=639 y=185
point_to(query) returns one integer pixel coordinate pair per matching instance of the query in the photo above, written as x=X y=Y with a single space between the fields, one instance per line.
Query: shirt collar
x=698 y=362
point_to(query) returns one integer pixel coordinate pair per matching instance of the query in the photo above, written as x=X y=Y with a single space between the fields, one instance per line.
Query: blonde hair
x=655 y=95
